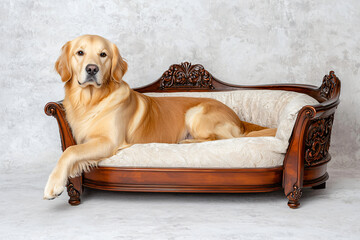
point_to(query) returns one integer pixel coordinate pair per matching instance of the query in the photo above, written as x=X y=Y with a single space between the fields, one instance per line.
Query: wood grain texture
x=304 y=164
x=57 y=110
x=184 y=179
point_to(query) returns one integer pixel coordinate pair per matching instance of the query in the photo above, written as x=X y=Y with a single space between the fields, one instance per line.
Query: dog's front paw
x=53 y=188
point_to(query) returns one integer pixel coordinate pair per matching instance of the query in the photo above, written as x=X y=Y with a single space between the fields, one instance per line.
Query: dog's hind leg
x=269 y=132
x=253 y=130
x=195 y=140
x=207 y=122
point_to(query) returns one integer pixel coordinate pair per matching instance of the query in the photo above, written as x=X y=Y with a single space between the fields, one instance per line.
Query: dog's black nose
x=92 y=69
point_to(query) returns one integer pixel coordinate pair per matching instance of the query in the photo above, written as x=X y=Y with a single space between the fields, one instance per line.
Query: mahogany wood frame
x=304 y=164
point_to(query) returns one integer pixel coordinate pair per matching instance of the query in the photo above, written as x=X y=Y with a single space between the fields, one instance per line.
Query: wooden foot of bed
x=321 y=186
x=75 y=189
x=293 y=204
x=294 y=197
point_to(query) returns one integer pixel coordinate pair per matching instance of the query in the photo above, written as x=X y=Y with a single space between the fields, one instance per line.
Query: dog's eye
x=103 y=54
x=80 y=53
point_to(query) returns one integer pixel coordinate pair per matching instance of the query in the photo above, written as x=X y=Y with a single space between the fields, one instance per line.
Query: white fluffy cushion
x=275 y=109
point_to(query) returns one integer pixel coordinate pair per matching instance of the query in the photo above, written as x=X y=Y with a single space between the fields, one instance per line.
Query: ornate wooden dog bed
x=304 y=165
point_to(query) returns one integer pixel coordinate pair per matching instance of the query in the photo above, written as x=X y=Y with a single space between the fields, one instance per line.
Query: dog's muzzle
x=92 y=69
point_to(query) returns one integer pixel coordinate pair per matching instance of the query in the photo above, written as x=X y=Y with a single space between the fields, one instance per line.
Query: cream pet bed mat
x=275 y=109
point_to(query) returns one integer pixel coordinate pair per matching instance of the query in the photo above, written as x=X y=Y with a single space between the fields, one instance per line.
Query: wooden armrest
x=57 y=110
x=310 y=140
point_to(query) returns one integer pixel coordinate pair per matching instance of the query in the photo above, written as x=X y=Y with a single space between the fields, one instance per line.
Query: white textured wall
x=242 y=42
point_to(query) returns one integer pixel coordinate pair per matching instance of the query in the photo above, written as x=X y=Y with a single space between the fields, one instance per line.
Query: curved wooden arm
x=310 y=140
x=294 y=159
x=57 y=110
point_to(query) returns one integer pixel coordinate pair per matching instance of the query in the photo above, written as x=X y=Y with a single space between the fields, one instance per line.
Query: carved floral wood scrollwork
x=185 y=75
x=50 y=110
x=328 y=85
x=317 y=142
x=294 y=197
x=73 y=194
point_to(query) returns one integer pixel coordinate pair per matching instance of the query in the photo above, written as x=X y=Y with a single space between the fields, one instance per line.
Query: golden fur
x=106 y=115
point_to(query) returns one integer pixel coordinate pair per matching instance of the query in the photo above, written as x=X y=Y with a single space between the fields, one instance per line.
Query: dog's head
x=90 y=60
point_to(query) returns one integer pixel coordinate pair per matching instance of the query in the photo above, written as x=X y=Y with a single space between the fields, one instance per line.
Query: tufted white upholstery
x=275 y=109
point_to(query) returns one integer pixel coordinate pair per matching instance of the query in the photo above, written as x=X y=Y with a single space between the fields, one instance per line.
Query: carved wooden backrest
x=187 y=77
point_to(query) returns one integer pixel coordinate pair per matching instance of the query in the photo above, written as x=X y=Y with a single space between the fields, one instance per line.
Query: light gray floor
x=332 y=213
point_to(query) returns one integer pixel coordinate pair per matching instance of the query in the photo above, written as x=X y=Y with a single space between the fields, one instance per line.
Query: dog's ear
x=118 y=65
x=62 y=64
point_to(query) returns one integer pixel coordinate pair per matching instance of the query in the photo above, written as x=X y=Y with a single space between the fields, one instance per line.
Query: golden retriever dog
x=106 y=115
